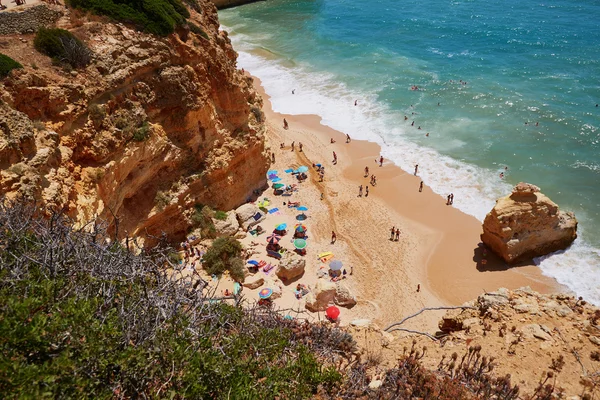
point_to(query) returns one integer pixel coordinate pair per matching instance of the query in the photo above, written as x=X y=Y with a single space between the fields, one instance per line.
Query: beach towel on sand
x=288 y=171
x=273 y=210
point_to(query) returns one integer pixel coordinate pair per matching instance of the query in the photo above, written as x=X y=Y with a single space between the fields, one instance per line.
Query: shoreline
x=442 y=240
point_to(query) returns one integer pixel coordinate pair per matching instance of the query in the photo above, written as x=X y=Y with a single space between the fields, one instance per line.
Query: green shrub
x=142 y=133
x=162 y=200
x=63 y=47
x=159 y=17
x=97 y=114
x=224 y=255
x=197 y=30
x=7 y=64
x=202 y=218
x=221 y=215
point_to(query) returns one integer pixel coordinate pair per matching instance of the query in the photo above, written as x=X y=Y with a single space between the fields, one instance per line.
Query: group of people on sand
x=450 y=199
x=360 y=191
x=394 y=234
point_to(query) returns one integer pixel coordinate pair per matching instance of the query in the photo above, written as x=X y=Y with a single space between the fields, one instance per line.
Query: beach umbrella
x=281 y=227
x=301 y=217
x=300 y=228
x=300 y=244
x=278 y=186
x=274 y=239
x=303 y=169
x=332 y=312
x=267 y=292
x=276 y=179
x=302 y=208
x=335 y=265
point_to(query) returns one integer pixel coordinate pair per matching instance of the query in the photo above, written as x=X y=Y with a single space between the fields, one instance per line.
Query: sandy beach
x=438 y=246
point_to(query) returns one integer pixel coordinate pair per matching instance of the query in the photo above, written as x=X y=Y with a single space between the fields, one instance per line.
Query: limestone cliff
x=527 y=224
x=150 y=128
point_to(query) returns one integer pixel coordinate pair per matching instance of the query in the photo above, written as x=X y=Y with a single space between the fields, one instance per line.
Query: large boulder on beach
x=249 y=215
x=322 y=296
x=527 y=224
x=291 y=266
x=344 y=296
x=254 y=284
x=227 y=227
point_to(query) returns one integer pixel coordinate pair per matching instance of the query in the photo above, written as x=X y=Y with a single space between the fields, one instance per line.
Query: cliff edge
x=150 y=128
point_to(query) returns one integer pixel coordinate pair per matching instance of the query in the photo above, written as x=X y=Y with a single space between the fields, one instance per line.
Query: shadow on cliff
x=492 y=262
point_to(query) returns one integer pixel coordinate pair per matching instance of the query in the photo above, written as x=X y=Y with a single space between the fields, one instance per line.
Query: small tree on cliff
x=225 y=255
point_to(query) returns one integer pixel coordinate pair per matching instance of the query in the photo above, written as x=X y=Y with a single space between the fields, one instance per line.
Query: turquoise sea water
x=523 y=61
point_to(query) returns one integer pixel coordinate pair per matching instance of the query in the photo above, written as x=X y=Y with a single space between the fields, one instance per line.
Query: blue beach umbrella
x=281 y=227
x=302 y=208
x=303 y=169
x=276 y=179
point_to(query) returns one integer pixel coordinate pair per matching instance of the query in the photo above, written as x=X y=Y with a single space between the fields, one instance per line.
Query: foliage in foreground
x=7 y=64
x=159 y=17
x=63 y=47
x=83 y=318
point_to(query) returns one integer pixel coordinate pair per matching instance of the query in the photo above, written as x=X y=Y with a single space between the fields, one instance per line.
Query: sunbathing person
x=292 y=204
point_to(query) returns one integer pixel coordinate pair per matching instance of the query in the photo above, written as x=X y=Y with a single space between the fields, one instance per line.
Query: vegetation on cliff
x=62 y=46
x=160 y=17
x=7 y=64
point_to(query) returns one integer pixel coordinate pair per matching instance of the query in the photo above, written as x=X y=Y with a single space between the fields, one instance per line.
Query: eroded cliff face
x=527 y=224
x=152 y=127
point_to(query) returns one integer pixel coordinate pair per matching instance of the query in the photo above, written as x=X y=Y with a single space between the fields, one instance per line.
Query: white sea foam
x=475 y=189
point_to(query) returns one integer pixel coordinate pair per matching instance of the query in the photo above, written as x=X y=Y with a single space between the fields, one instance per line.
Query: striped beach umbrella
x=273 y=239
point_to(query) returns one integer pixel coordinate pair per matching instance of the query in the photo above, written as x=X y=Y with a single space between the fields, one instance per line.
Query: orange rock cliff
x=152 y=127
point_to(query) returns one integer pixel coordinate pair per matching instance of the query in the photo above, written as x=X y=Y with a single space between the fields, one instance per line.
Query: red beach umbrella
x=332 y=312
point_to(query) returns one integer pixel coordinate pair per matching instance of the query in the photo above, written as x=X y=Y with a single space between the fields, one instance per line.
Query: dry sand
x=438 y=244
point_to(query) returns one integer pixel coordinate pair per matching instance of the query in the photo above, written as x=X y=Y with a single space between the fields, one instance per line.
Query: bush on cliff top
x=7 y=64
x=61 y=45
x=159 y=17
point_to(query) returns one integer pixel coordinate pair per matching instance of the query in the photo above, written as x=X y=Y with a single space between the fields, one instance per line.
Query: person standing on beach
x=285 y=124
x=366 y=171
x=293 y=143
x=381 y=161
x=334 y=158
x=393 y=232
x=451 y=198
x=366 y=191
x=300 y=146
x=397 y=234
x=448 y=200
x=273 y=158
x=347 y=138
x=416 y=169
x=333 y=237
x=418 y=287
x=421 y=187
x=360 y=188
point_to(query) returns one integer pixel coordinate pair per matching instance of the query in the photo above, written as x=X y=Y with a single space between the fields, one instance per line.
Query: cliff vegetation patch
x=159 y=17
x=63 y=47
x=7 y=64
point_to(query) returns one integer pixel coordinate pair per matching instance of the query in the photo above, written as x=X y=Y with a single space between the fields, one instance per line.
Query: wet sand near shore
x=438 y=247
